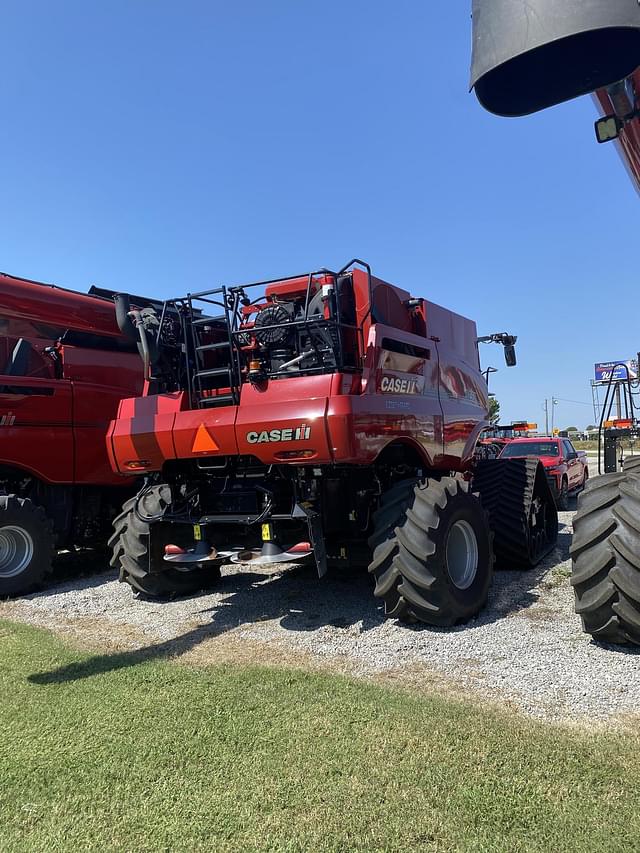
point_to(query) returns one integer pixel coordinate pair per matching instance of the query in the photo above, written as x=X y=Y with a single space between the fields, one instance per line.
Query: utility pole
x=554 y=403
x=546 y=417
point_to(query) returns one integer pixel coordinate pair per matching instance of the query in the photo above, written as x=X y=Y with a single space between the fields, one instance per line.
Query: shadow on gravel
x=632 y=651
x=300 y=602
x=77 y=565
x=513 y=591
x=298 y=599
x=295 y=597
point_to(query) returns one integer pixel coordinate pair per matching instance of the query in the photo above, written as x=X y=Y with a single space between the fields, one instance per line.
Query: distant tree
x=572 y=429
x=494 y=410
x=590 y=427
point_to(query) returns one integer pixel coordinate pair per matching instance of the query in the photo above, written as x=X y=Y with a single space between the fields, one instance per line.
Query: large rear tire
x=632 y=463
x=26 y=545
x=606 y=558
x=432 y=553
x=131 y=554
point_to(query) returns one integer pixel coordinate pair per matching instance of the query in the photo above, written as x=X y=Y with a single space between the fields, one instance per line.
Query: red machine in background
x=498 y=436
x=64 y=367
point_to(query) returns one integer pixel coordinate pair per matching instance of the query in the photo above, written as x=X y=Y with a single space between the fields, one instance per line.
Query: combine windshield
x=531 y=448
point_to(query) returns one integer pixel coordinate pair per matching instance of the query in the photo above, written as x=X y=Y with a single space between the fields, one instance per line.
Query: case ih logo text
x=301 y=433
x=398 y=386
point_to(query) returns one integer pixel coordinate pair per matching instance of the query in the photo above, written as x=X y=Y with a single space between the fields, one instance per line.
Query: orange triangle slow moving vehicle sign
x=203 y=442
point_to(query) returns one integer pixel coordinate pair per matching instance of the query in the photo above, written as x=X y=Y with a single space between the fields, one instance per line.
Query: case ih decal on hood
x=395 y=385
x=301 y=433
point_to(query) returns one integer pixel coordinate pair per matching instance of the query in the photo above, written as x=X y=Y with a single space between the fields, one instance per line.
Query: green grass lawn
x=133 y=753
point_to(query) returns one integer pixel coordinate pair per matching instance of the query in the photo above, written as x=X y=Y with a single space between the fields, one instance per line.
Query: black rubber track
x=130 y=545
x=508 y=488
x=408 y=542
x=23 y=513
x=606 y=558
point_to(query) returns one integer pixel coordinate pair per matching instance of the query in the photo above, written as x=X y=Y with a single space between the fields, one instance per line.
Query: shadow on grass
x=102 y=664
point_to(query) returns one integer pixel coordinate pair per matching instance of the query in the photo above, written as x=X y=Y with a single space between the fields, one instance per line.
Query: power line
x=577 y=402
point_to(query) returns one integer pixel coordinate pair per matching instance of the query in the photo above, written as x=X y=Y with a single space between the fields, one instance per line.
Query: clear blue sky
x=161 y=147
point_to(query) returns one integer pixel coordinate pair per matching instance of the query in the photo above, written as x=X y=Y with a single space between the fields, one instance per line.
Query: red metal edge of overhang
x=628 y=143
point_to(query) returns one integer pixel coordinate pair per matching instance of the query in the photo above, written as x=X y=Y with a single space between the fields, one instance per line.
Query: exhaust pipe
x=137 y=326
x=532 y=54
x=123 y=319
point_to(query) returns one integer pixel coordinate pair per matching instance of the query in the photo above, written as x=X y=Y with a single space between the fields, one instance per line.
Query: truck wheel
x=585 y=479
x=26 y=545
x=432 y=552
x=563 y=496
x=606 y=558
x=131 y=543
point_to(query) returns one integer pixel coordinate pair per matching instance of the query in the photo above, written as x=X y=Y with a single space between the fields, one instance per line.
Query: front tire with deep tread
x=411 y=549
x=23 y=525
x=131 y=545
x=606 y=558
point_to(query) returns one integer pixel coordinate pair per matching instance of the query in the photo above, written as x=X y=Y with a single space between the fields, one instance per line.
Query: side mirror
x=608 y=128
x=510 y=355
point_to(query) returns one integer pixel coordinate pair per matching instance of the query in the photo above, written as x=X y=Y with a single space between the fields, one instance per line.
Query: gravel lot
x=525 y=651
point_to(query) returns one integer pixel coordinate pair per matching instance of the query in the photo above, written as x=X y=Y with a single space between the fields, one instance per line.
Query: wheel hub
x=16 y=550
x=462 y=554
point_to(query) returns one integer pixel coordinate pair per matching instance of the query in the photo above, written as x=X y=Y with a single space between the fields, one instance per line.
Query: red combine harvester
x=496 y=438
x=64 y=366
x=328 y=415
x=527 y=57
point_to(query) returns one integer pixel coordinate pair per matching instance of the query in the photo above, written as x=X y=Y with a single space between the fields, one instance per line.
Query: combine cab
x=329 y=416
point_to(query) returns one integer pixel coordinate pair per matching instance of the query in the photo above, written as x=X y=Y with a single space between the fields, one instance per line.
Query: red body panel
x=55 y=410
x=53 y=306
x=629 y=141
x=422 y=390
x=36 y=427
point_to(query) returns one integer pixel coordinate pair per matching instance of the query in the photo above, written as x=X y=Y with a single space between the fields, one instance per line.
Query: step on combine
x=328 y=416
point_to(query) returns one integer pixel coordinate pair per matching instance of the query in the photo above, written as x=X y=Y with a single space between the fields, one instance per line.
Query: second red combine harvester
x=328 y=415
x=64 y=367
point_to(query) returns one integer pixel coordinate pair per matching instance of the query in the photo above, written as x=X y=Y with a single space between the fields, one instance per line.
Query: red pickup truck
x=566 y=468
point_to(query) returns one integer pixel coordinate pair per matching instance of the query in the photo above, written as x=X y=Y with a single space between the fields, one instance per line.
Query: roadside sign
x=617 y=370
